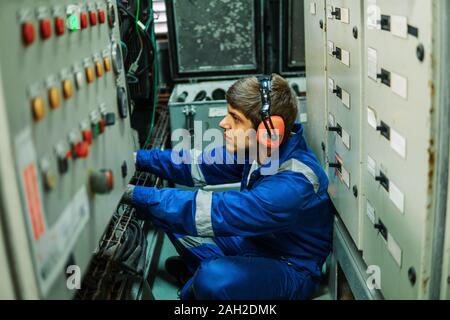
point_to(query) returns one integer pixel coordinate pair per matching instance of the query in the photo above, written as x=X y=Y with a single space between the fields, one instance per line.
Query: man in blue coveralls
x=267 y=241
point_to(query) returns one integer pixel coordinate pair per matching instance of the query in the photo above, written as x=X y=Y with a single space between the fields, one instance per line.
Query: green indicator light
x=73 y=23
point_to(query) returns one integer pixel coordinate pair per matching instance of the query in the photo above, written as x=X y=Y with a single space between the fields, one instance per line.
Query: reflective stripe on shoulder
x=299 y=167
x=190 y=242
x=203 y=205
x=196 y=172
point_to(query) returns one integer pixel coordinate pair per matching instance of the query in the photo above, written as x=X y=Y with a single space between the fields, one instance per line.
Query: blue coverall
x=267 y=241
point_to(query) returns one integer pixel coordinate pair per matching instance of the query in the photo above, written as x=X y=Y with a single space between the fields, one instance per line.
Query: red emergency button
x=28 y=33
x=59 y=26
x=109 y=179
x=93 y=18
x=101 y=16
x=102 y=181
x=87 y=136
x=83 y=20
x=46 y=29
x=81 y=150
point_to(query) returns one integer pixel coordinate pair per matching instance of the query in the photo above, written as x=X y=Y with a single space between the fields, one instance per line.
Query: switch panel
x=399 y=143
x=344 y=100
x=66 y=129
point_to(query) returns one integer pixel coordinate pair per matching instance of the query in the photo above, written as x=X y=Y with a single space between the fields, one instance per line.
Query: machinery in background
x=65 y=140
x=137 y=30
x=378 y=120
x=212 y=50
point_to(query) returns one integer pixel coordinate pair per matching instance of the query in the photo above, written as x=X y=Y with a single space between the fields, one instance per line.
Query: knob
x=102 y=181
x=122 y=102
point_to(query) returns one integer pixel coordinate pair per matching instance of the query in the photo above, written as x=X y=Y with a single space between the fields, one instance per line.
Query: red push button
x=81 y=150
x=87 y=136
x=102 y=125
x=46 y=29
x=59 y=26
x=93 y=18
x=101 y=16
x=28 y=33
x=109 y=179
x=83 y=20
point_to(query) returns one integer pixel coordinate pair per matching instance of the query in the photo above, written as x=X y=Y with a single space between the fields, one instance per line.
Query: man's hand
x=127 y=197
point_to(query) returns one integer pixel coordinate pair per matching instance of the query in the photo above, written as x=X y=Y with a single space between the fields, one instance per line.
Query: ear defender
x=276 y=137
x=271 y=130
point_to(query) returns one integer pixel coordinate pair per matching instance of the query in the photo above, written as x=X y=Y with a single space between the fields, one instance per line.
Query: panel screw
x=355 y=191
x=412 y=276
x=355 y=32
x=321 y=24
x=420 y=52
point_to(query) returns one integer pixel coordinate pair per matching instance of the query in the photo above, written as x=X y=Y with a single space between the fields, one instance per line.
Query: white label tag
x=399 y=85
x=330 y=47
x=331 y=120
x=371 y=213
x=330 y=85
x=373 y=15
x=345 y=176
x=345 y=15
x=345 y=58
x=398 y=143
x=372 y=118
x=346 y=99
x=217 y=112
x=397 y=197
x=372 y=63
x=303 y=117
x=399 y=26
x=394 y=249
x=346 y=139
x=312 y=8
x=371 y=166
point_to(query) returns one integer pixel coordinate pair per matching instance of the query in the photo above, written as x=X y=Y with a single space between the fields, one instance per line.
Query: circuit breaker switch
x=99 y=69
x=102 y=181
x=93 y=18
x=107 y=64
x=54 y=98
x=101 y=16
x=89 y=74
x=81 y=150
x=28 y=33
x=87 y=136
x=67 y=89
x=110 y=119
x=38 y=108
x=45 y=29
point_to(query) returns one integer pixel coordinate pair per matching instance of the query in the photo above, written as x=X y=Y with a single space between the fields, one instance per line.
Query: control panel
x=344 y=100
x=67 y=136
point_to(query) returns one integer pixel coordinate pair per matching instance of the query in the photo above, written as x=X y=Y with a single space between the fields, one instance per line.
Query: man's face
x=238 y=131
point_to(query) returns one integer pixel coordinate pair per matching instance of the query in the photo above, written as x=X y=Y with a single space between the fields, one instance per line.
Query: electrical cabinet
x=67 y=146
x=316 y=82
x=400 y=143
x=344 y=100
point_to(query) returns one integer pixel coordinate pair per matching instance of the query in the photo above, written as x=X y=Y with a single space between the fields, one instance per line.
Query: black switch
x=337 y=53
x=124 y=169
x=385 y=130
x=382 y=229
x=338 y=92
x=337 y=129
x=383 y=180
x=337 y=166
x=385 y=77
x=110 y=119
x=122 y=102
x=336 y=13
x=385 y=22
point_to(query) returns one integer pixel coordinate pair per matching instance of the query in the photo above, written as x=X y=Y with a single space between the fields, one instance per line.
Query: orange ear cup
x=277 y=133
